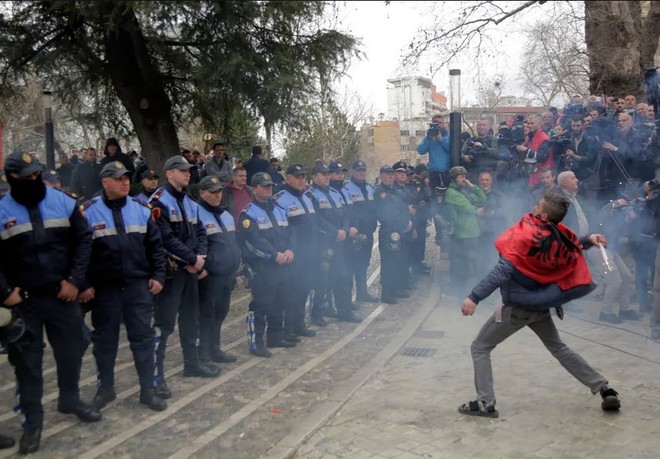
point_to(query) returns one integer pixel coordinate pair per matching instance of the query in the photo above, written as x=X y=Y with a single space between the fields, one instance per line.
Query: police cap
x=51 y=176
x=114 y=169
x=210 y=183
x=457 y=170
x=359 y=165
x=410 y=170
x=296 y=170
x=336 y=166
x=22 y=164
x=320 y=168
x=177 y=162
x=386 y=169
x=421 y=168
x=149 y=174
x=399 y=166
x=261 y=178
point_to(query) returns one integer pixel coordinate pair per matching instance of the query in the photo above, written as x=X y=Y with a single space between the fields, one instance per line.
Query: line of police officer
x=178 y=258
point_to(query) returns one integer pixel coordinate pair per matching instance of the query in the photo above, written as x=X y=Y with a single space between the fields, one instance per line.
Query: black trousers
x=214 y=301
x=304 y=271
x=390 y=266
x=134 y=302
x=179 y=295
x=62 y=322
x=270 y=293
x=360 y=260
x=338 y=281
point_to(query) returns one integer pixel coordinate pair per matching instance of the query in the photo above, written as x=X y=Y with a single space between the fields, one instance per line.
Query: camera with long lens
x=559 y=145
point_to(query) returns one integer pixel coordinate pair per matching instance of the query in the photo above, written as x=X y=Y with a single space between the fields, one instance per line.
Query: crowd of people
x=106 y=237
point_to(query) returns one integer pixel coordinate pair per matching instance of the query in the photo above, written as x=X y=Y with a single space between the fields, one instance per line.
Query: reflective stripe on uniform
x=142 y=229
x=104 y=232
x=16 y=230
x=57 y=223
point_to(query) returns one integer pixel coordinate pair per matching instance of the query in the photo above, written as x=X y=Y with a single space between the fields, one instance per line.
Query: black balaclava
x=27 y=192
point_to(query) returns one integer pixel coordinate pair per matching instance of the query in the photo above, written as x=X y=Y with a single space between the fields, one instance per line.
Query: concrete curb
x=287 y=447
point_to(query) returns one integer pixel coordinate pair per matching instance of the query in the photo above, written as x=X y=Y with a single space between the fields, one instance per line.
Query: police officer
x=421 y=198
x=364 y=212
x=302 y=220
x=45 y=245
x=185 y=244
x=148 y=185
x=401 y=181
x=268 y=249
x=126 y=270
x=222 y=263
x=335 y=230
x=392 y=213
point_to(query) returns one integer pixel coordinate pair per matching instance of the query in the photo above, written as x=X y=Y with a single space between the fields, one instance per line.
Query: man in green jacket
x=464 y=203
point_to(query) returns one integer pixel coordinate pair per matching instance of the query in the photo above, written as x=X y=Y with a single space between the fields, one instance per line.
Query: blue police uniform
x=127 y=251
x=364 y=212
x=333 y=216
x=265 y=232
x=40 y=247
x=222 y=263
x=405 y=278
x=392 y=213
x=183 y=238
x=302 y=218
x=143 y=197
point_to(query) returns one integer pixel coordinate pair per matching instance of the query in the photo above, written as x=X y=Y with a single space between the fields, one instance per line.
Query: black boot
x=348 y=317
x=6 y=442
x=30 y=441
x=149 y=398
x=204 y=343
x=217 y=355
x=103 y=397
x=200 y=370
x=162 y=390
x=363 y=296
x=84 y=411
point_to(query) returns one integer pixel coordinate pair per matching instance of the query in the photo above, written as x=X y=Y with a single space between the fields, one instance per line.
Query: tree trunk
x=140 y=88
x=613 y=34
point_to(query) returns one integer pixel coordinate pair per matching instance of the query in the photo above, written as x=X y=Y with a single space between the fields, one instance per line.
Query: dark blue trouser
x=390 y=261
x=270 y=293
x=644 y=254
x=360 y=260
x=214 y=301
x=62 y=323
x=179 y=295
x=304 y=270
x=134 y=302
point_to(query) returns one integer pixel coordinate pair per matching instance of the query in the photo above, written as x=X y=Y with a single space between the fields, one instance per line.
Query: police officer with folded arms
x=127 y=269
x=364 y=212
x=335 y=230
x=268 y=248
x=302 y=219
x=222 y=263
x=185 y=244
x=392 y=213
x=45 y=246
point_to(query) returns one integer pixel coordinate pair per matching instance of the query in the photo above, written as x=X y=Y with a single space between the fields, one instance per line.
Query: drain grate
x=418 y=351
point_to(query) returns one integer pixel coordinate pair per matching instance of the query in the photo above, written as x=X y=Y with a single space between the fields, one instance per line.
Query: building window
x=419 y=133
x=404 y=147
x=405 y=133
x=370 y=132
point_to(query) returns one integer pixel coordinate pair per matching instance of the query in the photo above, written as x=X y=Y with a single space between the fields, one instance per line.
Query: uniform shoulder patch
x=155 y=213
x=147 y=205
x=246 y=223
x=382 y=195
x=157 y=194
x=278 y=195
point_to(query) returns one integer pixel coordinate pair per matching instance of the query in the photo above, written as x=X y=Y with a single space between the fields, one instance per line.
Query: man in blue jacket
x=436 y=144
x=541 y=267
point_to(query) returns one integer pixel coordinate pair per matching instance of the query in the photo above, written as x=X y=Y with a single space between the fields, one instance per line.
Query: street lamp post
x=50 y=133
x=455 y=117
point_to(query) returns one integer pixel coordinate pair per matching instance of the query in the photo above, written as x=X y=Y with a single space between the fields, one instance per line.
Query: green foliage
x=224 y=63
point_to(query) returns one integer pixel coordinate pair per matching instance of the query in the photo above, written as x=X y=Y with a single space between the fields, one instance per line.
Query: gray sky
x=387 y=30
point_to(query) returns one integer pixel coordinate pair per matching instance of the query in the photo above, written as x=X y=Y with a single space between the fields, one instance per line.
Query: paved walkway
x=409 y=409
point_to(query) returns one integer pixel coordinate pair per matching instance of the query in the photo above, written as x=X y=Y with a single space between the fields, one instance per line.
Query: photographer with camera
x=436 y=144
x=535 y=150
x=580 y=154
x=480 y=152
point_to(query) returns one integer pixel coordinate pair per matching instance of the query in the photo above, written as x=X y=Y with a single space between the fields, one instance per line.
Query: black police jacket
x=391 y=210
x=301 y=214
x=363 y=207
x=332 y=211
x=126 y=242
x=224 y=254
x=41 y=246
x=265 y=231
x=177 y=216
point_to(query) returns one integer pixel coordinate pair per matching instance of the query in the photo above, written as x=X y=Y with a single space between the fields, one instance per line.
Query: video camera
x=434 y=130
x=510 y=136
